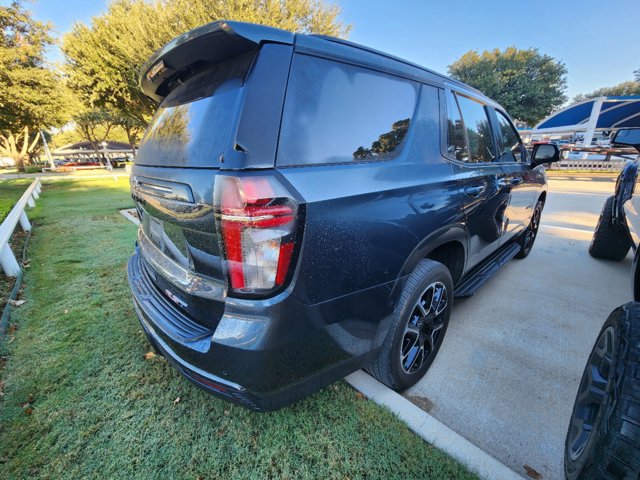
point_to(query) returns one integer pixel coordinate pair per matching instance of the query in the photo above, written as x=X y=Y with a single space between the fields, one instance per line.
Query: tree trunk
x=10 y=146
x=19 y=163
x=99 y=153
x=132 y=137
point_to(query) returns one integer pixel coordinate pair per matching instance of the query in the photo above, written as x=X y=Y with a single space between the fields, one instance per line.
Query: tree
x=72 y=132
x=637 y=74
x=625 y=88
x=95 y=126
x=103 y=59
x=31 y=95
x=132 y=127
x=530 y=85
x=18 y=146
x=387 y=142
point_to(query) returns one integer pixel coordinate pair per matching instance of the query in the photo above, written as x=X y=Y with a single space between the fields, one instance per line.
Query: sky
x=598 y=41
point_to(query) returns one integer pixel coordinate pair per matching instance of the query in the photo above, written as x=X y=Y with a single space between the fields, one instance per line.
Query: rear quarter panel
x=365 y=221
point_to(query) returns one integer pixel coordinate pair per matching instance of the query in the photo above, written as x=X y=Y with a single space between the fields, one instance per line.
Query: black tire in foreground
x=610 y=241
x=418 y=326
x=603 y=440
x=527 y=239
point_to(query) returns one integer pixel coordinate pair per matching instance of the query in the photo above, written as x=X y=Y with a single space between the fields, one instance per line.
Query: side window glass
x=511 y=148
x=478 y=128
x=456 y=141
x=336 y=113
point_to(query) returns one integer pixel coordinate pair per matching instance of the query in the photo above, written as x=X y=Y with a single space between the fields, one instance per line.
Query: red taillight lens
x=257 y=224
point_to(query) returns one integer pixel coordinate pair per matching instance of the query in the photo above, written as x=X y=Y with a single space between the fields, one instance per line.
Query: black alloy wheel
x=529 y=236
x=591 y=393
x=424 y=328
x=603 y=438
x=417 y=327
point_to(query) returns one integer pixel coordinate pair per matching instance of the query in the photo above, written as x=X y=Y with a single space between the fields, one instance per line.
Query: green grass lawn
x=80 y=401
x=10 y=193
x=27 y=169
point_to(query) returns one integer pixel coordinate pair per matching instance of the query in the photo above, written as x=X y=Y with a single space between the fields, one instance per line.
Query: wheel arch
x=626 y=181
x=447 y=246
x=543 y=197
x=452 y=255
x=624 y=190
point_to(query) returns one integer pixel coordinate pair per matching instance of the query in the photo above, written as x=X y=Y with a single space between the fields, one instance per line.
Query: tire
x=418 y=327
x=610 y=241
x=528 y=237
x=603 y=439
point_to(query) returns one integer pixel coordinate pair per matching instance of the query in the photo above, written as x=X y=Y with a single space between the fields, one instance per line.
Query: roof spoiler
x=199 y=49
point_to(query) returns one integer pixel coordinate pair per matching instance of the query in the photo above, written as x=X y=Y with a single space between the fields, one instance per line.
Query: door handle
x=475 y=192
x=512 y=182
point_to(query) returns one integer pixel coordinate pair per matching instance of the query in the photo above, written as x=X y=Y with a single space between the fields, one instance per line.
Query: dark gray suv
x=311 y=207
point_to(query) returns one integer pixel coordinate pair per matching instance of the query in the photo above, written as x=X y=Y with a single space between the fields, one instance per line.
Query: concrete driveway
x=511 y=362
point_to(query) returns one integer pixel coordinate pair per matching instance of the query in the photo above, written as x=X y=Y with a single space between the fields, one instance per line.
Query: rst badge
x=175 y=299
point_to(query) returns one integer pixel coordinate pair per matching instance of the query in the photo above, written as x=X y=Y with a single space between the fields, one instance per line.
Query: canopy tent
x=589 y=116
x=85 y=149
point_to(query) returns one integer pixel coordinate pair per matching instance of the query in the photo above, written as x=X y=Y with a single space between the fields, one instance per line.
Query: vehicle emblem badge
x=175 y=299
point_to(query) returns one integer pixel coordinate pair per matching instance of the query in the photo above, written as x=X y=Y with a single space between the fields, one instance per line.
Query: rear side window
x=478 y=129
x=191 y=126
x=337 y=113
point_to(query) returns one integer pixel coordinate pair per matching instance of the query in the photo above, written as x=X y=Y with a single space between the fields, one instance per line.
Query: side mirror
x=545 y=153
x=629 y=137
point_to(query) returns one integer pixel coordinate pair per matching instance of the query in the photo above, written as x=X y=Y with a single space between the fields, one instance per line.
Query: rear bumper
x=262 y=354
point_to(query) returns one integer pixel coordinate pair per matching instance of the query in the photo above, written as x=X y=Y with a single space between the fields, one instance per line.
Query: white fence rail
x=601 y=165
x=17 y=214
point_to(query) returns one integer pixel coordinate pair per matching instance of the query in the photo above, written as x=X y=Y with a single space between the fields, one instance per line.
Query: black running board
x=481 y=274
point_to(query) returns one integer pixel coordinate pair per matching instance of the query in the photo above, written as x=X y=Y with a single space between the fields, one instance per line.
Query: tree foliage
x=103 y=59
x=132 y=127
x=530 y=85
x=387 y=142
x=625 y=88
x=637 y=74
x=73 y=133
x=31 y=94
x=95 y=126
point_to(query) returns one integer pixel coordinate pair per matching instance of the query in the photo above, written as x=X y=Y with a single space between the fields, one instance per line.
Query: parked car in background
x=612 y=237
x=603 y=439
x=310 y=207
x=6 y=162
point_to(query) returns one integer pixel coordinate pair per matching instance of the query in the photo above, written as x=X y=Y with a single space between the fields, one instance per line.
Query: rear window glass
x=192 y=124
x=337 y=113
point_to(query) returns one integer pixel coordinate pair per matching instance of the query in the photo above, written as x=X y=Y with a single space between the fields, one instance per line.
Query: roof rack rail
x=392 y=57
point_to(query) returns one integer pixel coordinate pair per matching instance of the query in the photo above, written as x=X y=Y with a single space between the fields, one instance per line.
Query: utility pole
x=108 y=165
x=47 y=151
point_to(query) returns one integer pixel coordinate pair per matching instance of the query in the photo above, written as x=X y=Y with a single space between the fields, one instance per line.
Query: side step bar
x=481 y=274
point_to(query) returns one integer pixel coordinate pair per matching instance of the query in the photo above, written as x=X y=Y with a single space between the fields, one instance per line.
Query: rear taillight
x=256 y=219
